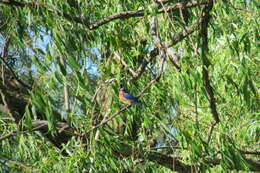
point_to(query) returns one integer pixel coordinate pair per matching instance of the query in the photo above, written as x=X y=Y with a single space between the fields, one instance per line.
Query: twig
x=183 y=34
x=177 y=38
x=6 y=107
x=146 y=61
x=105 y=121
x=168 y=147
x=154 y=80
x=174 y=63
x=125 y=64
x=14 y=75
x=3 y=55
x=214 y=123
x=21 y=132
x=22 y=166
x=205 y=61
x=250 y=152
x=107 y=82
x=66 y=89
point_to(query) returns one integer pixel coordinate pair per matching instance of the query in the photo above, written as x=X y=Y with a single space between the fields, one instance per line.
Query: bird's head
x=122 y=89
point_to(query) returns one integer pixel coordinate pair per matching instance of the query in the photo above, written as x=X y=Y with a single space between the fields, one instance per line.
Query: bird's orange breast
x=121 y=97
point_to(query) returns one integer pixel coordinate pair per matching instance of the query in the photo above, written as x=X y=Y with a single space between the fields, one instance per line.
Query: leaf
x=59 y=77
x=62 y=68
x=246 y=92
x=28 y=118
x=73 y=63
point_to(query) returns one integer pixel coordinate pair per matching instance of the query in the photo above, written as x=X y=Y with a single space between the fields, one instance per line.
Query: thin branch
x=95 y=25
x=168 y=147
x=107 y=82
x=14 y=74
x=214 y=123
x=4 y=54
x=105 y=121
x=177 y=38
x=15 y=132
x=250 y=152
x=66 y=89
x=146 y=61
x=154 y=80
x=205 y=61
x=173 y=61
x=2 y=57
x=6 y=108
x=241 y=9
x=125 y=64
x=22 y=166
x=184 y=33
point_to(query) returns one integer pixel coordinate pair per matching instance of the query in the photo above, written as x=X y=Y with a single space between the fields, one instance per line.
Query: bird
x=127 y=97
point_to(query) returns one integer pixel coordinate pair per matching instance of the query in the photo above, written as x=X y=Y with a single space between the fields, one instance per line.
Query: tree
x=192 y=64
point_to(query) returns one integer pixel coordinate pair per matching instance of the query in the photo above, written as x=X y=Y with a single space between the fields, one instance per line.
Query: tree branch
x=105 y=121
x=125 y=64
x=15 y=132
x=184 y=33
x=95 y=25
x=205 y=17
x=2 y=57
x=140 y=13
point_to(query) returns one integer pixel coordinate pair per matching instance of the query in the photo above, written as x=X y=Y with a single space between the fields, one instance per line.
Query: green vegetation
x=194 y=65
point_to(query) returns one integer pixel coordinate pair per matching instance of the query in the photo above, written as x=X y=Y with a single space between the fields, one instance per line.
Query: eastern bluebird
x=126 y=97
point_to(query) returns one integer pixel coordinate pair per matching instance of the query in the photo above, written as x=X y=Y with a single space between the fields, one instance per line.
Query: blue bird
x=127 y=97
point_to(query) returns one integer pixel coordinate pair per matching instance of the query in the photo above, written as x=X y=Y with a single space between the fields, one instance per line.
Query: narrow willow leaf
x=73 y=63
x=62 y=68
x=28 y=118
x=59 y=77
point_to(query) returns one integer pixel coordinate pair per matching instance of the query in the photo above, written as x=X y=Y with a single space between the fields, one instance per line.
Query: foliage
x=87 y=50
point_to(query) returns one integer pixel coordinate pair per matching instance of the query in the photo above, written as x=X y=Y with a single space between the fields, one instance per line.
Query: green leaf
x=28 y=118
x=73 y=63
x=62 y=68
x=59 y=77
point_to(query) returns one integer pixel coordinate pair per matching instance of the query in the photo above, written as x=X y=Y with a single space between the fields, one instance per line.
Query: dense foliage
x=194 y=65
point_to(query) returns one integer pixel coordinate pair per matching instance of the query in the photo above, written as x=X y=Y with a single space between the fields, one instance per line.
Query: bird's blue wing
x=130 y=97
